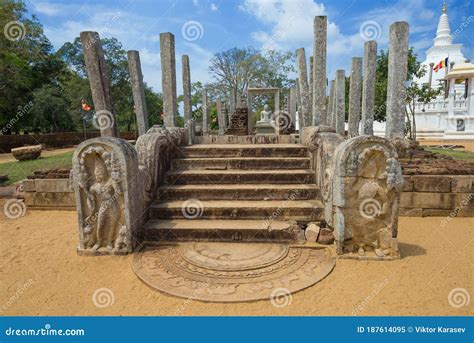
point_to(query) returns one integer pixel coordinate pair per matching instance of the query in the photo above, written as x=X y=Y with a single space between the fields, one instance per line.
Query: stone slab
x=427 y=183
x=52 y=185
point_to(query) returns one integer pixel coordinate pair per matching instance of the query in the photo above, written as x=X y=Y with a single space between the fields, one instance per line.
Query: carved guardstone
x=366 y=189
x=108 y=190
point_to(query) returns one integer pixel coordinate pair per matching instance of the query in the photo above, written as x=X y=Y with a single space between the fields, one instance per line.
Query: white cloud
x=47 y=8
x=214 y=7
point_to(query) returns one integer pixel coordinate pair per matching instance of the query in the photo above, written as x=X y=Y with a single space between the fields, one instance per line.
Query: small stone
x=379 y=252
x=312 y=232
x=326 y=236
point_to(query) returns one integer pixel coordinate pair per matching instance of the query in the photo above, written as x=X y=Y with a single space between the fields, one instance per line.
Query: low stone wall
x=49 y=194
x=423 y=195
x=438 y=195
x=52 y=140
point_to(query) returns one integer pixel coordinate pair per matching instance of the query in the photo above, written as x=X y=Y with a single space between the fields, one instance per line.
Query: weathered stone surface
x=99 y=82
x=330 y=112
x=138 y=90
x=220 y=117
x=368 y=87
x=187 y=105
x=205 y=113
x=407 y=184
x=355 y=94
x=428 y=200
x=319 y=73
x=462 y=184
x=168 y=79
x=397 y=73
x=305 y=107
x=435 y=212
x=231 y=272
x=340 y=102
x=292 y=105
x=27 y=152
x=366 y=189
x=52 y=185
x=427 y=183
x=109 y=196
x=326 y=236
x=312 y=232
x=53 y=199
x=28 y=185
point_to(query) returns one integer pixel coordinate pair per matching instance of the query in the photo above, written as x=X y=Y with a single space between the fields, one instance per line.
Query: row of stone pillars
x=311 y=95
x=101 y=89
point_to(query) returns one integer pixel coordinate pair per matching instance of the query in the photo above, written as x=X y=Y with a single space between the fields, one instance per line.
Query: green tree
x=26 y=62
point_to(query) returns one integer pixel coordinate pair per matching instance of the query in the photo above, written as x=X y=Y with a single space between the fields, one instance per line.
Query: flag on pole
x=85 y=106
x=442 y=64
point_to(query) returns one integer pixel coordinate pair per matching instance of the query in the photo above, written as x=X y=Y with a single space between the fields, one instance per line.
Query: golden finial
x=444 y=7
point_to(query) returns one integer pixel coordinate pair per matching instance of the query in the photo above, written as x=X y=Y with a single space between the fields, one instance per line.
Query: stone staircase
x=236 y=192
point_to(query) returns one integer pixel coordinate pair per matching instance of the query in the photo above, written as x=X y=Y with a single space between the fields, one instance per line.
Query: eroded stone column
x=368 y=87
x=340 y=101
x=319 y=77
x=220 y=117
x=99 y=82
x=138 y=91
x=397 y=75
x=292 y=106
x=187 y=104
x=355 y=92
x=205 y=114
x=168 y=78
x=330 y=110
x=303 y=88
x=310 y=85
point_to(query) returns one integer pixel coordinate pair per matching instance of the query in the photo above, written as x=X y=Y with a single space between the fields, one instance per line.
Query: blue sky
x=203 y=27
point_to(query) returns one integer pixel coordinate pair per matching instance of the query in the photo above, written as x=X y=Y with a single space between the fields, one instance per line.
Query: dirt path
x=43 y=275
x=468 y=144
x=4 y=158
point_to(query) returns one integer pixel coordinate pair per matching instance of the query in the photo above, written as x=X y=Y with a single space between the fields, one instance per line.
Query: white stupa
x=442 y=48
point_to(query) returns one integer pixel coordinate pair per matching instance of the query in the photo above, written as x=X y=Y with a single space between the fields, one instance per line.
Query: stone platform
x=232 y=272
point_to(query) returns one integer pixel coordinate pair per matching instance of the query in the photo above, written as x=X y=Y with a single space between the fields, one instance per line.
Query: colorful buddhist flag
x=442 y=64
x=85 y=106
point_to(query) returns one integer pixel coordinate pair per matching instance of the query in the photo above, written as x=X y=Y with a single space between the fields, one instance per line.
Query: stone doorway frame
x=251 y=93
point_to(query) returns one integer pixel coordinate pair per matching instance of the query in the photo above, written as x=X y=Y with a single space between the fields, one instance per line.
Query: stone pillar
x=430 y=79
x=340 y=101
x=397 y=74
x=304 y=90
x=168 y=79
x=310 y=86
x=232 y=101
x=99 y=82
x=298 y=105
x=187 y=104
x=220 y=117
x=368 y=87
x=292 y=106
x=138 y=90
x=330 y=110
x=319 y=77
x=355 y=96
x=205 y=114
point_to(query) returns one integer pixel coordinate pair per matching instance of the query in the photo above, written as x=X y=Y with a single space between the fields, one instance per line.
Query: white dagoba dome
x=442 y=48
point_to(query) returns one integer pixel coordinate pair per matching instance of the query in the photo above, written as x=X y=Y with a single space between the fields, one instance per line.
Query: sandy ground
x=41 y=274
x=8 y=157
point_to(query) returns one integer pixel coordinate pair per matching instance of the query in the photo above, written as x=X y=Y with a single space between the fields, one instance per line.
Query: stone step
x=221 y=230
x=239 y=192
x=197 y=176
x=299 y=210
x=252 y=139
x=259 y=163
x=245 y=150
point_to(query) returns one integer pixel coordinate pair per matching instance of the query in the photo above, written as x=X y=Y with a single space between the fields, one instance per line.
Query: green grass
x=456 y=154
x=17 y=171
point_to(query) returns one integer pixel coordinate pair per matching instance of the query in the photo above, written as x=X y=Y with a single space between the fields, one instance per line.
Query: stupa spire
x=443 y=33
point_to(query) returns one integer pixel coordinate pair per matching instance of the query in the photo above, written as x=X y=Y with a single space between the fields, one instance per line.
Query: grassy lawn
x=17 y=171
x=456 y=154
